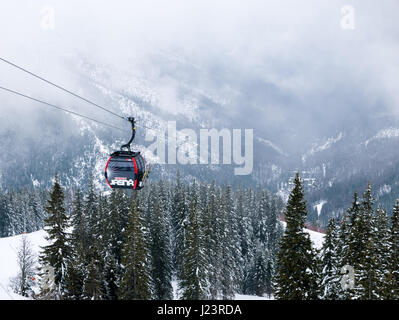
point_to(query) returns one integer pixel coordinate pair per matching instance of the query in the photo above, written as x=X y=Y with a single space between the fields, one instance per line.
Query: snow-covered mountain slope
x=337 y=161
x=317 y=238
x=8 y=260
x=9 y=267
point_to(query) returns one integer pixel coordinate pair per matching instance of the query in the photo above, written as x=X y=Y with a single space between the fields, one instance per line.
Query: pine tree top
x=296 y=211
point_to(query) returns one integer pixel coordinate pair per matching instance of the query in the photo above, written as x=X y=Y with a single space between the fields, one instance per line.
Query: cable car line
x=125 y=169
x=75 y=95
x=80 y=115
x=60 y=108
x=62 y=88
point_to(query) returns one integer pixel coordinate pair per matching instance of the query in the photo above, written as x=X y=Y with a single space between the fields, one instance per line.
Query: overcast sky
x=279 y=62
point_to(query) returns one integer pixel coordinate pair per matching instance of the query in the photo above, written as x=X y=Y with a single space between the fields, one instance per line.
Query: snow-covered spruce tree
x=274 y=232
x=229 y=241
x=93 y=282
x=136 y=279
x=211 y=226
x=262 y=213
x=297 y=274
x=90 y=208
x=16 y=227
x=206 y=223
x=366 y=272
x=352 y=244
x=161 y=252
x=354 y=241
x=260 y=275
x=330 y=273
x=77 y=265
x=342 y=240
x=391 y=281
x=250 y=205
x=79 y=232
x=394 y=252
x=244 y=234
x=110 y=267
x=36 y=212
x=194 y=281
x=342 y=252
x=382 y=248
x=117 y=220
x=74 y=278
x=273 y=226
x=265 y=234
x=179 y=220
x=93 y=288
x=368 y=275
x=58 y=251
x=367 y=212
x=5 y=218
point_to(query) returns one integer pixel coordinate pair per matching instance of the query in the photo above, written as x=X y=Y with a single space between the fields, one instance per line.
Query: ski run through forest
x=195 y=241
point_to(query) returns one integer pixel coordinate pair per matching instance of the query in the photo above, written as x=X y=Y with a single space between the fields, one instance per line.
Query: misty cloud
x=285 y=68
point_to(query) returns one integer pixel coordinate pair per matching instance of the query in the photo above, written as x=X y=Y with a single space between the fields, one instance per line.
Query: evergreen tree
x=136 y=279
x=179 y=222
x=79 y=224
x=90 y=215
x=74 y=279
x=77 y=264
x=250 y=204
x=330 y=277
x=260 y=275
x=57 y=252
x=36 y=212
x=244 y=225
x=382 y=248
x=211 y=226
x=297 y=272
x=353 y=253
x=194 y=284
x=117 y=221
x=111 y=280
x=366 y=269
x=161 y=253
x=342 y=242
x=230 y=254
x=356 y=243
x=5 y=218
x=391 y=279
x=368 y=275
x=93 y=286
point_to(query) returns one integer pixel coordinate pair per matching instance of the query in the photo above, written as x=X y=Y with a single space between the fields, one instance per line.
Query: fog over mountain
x=320 y=98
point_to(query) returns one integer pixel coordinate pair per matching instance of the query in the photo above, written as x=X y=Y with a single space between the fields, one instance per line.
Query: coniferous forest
x=209 y=241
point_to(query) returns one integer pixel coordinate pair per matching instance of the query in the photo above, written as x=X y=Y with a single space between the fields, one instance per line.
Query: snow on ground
x=8 y=260
x=9 y=267
x=248 y=297
x=316 y=237
x=175 y=287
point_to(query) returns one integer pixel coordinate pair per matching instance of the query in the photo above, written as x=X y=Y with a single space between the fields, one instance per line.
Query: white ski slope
x=9 y=268
x=8 y=260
